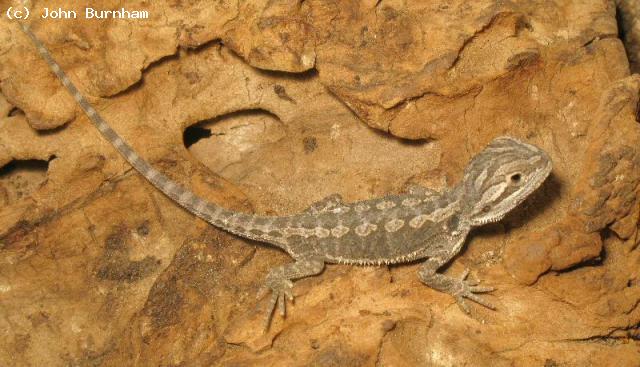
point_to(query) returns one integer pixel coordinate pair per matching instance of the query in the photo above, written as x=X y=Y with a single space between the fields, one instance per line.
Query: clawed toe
x=465 y=275
x=282 y=304
x=468 y=290
x=481 y=289
x=479 y=300
x=463 y=305
x=281 y=291
x=262 y=291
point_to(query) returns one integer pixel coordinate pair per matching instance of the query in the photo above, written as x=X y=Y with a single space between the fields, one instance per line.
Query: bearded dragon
x=420 y=225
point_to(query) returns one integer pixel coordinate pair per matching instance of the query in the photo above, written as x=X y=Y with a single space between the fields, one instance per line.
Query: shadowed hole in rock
x=625 y=34
x=403 y=141
x=20 y=178
x=221 y=142
x=193 y=134
x=14 y=112
x=621 y=28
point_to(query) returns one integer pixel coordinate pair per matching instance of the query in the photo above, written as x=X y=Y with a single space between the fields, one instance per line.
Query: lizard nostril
x=516 y=178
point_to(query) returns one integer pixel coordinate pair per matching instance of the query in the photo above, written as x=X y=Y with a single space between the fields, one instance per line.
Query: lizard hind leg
x=279 y=282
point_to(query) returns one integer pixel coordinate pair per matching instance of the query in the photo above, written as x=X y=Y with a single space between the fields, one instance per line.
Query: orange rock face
x=269 y=106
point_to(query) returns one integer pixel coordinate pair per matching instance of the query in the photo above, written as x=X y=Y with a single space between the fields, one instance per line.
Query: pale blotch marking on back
x=365 y=229
x=393 y=225
x=361 y=207
x=385 y=204
x=418 y=221
x=288 y=232
x=306 y=232
x=340 y=210
x=435 y=216
x=339 y=231
x=322 y=232
x=410 y=202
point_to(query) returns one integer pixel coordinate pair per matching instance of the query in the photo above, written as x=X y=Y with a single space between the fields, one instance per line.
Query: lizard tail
x=245 y=225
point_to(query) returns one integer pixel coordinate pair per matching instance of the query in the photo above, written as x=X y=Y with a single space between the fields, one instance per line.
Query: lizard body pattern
x=419 y=225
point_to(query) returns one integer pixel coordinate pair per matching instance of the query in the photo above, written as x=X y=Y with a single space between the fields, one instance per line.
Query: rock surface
x=279 y=105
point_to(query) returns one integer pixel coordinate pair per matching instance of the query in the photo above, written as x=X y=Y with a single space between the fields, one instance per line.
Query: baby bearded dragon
x=422 y=224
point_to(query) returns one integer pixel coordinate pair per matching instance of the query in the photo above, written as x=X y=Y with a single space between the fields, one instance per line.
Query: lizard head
x=501 y=177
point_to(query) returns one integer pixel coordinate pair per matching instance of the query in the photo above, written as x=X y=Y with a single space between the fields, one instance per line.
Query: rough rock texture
x=280 y=105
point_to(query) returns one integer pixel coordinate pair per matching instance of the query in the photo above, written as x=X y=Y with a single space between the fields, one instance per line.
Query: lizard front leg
x=459 y=288
x=279 y=282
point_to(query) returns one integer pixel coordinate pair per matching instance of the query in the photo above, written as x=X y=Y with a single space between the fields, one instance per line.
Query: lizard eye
x=515 y=178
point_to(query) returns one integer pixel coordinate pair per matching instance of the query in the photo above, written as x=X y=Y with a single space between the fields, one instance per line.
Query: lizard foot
x=281 y=289
x=466 y=289
x=279 y=282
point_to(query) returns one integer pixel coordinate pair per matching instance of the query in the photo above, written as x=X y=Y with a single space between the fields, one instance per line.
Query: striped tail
x=245 y=225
